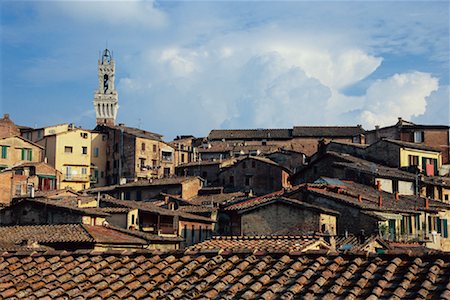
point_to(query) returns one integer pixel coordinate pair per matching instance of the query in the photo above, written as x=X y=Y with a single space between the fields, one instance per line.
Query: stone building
x=395 y=217
x=16 y=149
x=184 y=187
x=133 y=153
x=258 y=174
x=206 y=169
x=302 y=139
x=434 y=136
x=409 y=156
x=276 y=215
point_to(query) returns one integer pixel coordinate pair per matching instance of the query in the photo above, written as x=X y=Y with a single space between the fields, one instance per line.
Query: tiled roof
x=113 y=275
x=326 y=131
x=68 y=203
x=265 y=200
x=369 y=197
x=144 y=183
x=150 y=207
x=411 y=145
x=355 y=243
x=63 y=233
x=275 y=243
x=135 y=132
x=237 y=134
x=106 y=235
x=217 y=198
x=75 y=233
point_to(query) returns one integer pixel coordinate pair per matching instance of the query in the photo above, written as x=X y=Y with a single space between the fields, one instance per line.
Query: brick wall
x=279 y=218
x=7 y=127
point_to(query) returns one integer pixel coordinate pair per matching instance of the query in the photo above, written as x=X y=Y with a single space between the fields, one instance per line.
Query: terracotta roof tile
x=237 y=275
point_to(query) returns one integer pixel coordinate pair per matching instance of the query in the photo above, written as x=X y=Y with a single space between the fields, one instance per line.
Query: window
x=248 y=180
x=418 y=136
x=68 y=149
x=4 y=151
x=138 y=195
x=27 y=154
x=154 y=148
x=182 y=157
x=102 y=174
x=68 y=172
x=143 y=146
x=83 y=171
x=84 y=150
x=132 y=219
x=185 y=232
x=167 y=156
x=39 y=134
x=96 y=152
x=394 y=186
x=166 y=172
x=154 y=163
x=413 y=160
x=142 y=163
x=446 y=197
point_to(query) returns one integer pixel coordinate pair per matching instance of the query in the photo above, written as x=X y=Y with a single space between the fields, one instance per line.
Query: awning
x=388 y=216
x=47 y=176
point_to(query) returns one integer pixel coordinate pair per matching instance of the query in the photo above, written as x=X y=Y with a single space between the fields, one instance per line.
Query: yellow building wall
x=14 y=146
x=76 y=160
x=404 y=156
x=98 y=157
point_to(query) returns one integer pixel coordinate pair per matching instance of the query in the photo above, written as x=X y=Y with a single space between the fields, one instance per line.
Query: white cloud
x=402 y=95
x=130 y=13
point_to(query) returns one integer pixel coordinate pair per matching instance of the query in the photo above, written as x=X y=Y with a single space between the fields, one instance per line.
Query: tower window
x=105 y=83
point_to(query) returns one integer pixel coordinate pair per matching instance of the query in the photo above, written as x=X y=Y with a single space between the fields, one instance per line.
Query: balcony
x=77 y=178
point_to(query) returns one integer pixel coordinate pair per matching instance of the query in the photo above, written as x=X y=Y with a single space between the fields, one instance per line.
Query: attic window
x=418 y=136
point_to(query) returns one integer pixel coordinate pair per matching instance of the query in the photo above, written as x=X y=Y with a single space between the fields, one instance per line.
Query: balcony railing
x=70 y=177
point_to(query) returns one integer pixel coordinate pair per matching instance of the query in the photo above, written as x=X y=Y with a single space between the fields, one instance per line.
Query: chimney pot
x=427 y=203
x=397 y=196
x=380 y=201
x=359 y=198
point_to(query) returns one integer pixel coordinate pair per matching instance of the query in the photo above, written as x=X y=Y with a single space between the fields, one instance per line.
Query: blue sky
x=189 y=67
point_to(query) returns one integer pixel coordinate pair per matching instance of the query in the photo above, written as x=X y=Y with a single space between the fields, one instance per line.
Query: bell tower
x=106 y=99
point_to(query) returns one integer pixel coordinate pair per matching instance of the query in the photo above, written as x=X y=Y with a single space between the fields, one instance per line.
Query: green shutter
x=436 y=171
x=438 y=225
x=444 y=228
x=424 y=165
x=23 y=154
x=31 y=155
x=4 y=151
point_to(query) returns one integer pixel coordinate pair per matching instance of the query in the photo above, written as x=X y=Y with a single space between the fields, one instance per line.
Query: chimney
x=359 y=198
x=380 y=201
x=396 y=196
x=377 y=131
x=427 y=204
x=378 y=185
x=98 y=199
x=6 y=116
x=166 y=199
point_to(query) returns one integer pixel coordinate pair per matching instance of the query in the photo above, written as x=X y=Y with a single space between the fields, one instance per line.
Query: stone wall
x=279 y=218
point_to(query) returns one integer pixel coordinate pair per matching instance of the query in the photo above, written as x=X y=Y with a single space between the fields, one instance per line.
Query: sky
x=189 y=67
